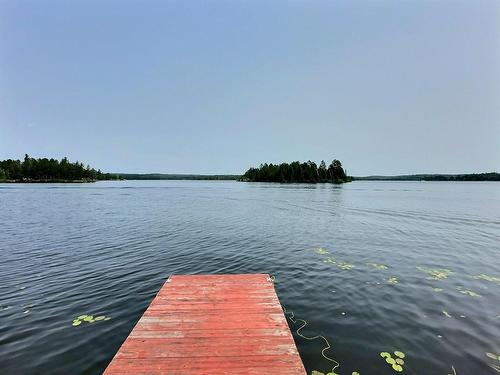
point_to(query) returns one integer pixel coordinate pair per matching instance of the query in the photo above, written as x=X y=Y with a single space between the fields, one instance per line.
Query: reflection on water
x=374 y=267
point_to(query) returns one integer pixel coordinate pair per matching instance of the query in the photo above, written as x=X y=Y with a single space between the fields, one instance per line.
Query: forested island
x=50 y=170
x=491 y=176
x=307 y=172
x=53 y=170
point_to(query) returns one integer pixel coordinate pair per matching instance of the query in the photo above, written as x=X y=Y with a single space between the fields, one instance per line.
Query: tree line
x=298 y=172
x=49 y=170
x=490 y=176
x=168 y=176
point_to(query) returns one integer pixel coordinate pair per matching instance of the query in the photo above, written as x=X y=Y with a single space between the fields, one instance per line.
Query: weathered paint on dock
x=211 y=324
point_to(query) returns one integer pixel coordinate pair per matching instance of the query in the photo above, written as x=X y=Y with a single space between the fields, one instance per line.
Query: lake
x=372 y=266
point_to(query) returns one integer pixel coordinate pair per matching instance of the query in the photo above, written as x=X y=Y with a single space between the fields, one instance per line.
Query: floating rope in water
x=294 y=320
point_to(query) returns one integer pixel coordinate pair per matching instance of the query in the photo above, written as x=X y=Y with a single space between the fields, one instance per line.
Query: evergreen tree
x=49 y=170
x=322 y=172
x=297 y=172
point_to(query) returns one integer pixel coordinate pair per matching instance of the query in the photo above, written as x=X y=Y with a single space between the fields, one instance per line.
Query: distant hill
x=163 y=176
x=491 y=176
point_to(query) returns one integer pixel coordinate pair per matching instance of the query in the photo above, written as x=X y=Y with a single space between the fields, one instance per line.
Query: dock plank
x=211 y=324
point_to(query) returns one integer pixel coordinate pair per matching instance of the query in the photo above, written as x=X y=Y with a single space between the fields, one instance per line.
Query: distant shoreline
x=490 y=176
x=48 y=181
x=493 y=176
x=178 y=176
x=44 y=170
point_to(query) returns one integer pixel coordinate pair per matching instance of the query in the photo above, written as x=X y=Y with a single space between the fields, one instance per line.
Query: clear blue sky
x=387 y=87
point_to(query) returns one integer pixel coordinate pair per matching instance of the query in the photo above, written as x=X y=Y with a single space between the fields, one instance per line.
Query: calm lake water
x=106 y=249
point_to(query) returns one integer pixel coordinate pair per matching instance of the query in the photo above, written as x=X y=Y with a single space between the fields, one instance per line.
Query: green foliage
x=298 y=172
x=490 y=176
x=486 y=277
x=165 y=176
x=396 y=363
x=88 y=319
x=468 y=292
x=49 y=170
x=437 y=273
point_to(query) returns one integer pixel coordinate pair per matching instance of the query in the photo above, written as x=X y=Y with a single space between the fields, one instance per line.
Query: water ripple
x=106 y=248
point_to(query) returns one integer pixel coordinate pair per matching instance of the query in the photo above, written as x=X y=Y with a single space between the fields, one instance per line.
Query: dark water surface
x=106 y=249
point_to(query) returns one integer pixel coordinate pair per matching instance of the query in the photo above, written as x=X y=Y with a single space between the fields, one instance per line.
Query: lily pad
x=397 y=367
x=437 y=273
x=390 y=360
x=399 y=361
x=345 y=266
x=82 y=317
x=399 y=354
x=378 y=266
x=393 y=280
x=77 y=323
x=101 y=317
x=321 y=251
x=355 y=373
x=385 y=355
x=468 y=292
x=487 y=278
x=88 y=318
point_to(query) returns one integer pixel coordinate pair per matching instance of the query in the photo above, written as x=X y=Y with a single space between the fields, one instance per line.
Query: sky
x=213 y=87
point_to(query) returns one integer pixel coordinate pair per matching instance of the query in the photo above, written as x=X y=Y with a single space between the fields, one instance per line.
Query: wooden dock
x=211 y=324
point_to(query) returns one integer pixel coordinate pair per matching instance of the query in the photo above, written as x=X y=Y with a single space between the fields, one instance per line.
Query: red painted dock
x=211 y=324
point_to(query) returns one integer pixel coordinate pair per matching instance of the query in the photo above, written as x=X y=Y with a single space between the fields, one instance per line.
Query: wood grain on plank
x=211 y=324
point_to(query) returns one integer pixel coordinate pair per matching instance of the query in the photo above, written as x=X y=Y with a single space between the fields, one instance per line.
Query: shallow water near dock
x=373 y=266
